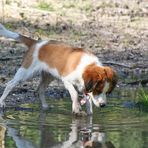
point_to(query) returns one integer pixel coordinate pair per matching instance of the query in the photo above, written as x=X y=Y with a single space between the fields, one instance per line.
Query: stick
x=144 y=82
x=9 y=58
x=119 y=64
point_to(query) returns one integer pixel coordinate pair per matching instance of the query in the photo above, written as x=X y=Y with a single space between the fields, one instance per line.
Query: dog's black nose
x=102 y=104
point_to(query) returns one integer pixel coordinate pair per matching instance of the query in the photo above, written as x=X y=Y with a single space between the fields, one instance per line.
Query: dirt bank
x=116 y=31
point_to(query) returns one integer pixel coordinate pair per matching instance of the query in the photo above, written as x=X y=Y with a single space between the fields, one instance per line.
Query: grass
x=45 y=6
x=143 y=97
x=142 y=102
x=8 y=25
x=107 y=4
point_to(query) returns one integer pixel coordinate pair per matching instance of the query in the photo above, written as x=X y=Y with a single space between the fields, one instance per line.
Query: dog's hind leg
x=21 y=75
x=46 y=78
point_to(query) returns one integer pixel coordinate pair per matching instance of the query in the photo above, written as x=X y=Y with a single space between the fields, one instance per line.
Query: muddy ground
x=116 y=31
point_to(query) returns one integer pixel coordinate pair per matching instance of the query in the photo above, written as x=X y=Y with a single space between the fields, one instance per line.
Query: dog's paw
x=80 y=114
x=76 y=108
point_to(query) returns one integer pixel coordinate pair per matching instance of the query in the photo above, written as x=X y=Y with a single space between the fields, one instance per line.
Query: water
x=117 y=125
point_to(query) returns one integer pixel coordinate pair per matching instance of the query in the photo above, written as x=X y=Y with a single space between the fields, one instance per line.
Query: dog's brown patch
x=95 y=78
x=28 y=57
x=94 y=75
x=61 y=56
x=27 y=40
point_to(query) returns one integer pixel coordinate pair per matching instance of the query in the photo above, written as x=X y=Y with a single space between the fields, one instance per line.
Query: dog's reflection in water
x=95 y=140
x=83 y=135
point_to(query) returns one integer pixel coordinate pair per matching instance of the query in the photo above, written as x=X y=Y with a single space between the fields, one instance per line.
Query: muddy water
x=121 y=125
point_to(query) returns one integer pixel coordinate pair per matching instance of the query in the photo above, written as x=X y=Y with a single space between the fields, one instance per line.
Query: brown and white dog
x=76 y=67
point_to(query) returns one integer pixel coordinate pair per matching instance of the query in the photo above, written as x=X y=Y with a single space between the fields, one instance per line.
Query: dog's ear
x=90 y=85
x=92 y=76
x=110 y=74
x=111 y=77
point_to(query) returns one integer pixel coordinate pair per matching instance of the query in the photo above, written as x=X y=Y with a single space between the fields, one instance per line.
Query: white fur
x=21 y=75
x=74 y=97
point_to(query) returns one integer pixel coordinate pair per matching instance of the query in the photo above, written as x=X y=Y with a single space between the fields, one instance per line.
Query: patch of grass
x=142 y=100
x=143 y=96
x=8 y=2
x=8 y=25
x=87 y=7
x=83 y=6
x=107 y=4
x=69 y=5
x=45 y=6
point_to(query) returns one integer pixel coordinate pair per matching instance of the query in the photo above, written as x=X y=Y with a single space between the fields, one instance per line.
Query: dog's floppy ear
x=90 y=85
x=110 y=74
x=92 y=76
x=111 y=77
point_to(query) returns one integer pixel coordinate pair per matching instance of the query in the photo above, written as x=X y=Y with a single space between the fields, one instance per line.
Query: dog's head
x=99 y=82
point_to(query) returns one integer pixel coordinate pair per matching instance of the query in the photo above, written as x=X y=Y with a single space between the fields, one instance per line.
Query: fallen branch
x=119 y=64
x=10 y=58
x=143 y=82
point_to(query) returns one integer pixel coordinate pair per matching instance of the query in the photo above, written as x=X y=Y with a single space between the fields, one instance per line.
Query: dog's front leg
x=76 y=108
x=89 y=107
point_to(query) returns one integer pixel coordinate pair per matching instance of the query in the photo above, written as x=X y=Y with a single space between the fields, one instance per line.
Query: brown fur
x=29 y=42
x=60 y=56
x=28 y=58
x=95 y=77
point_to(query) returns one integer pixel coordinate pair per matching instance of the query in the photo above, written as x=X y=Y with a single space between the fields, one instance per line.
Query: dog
x=78 y=69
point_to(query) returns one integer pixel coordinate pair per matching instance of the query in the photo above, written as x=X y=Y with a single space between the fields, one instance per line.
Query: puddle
x=26 y=126
x=122 y=124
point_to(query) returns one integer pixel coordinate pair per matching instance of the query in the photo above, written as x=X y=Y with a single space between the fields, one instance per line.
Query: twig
x=10 y=58
x=143 y=82
x=119 y=64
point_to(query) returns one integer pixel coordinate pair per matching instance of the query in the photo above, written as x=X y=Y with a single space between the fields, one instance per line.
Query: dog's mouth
x=98 y=100
x=84 y=99
x=93 y=99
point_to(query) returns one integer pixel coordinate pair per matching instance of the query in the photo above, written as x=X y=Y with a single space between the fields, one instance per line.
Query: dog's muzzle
x=99 y=101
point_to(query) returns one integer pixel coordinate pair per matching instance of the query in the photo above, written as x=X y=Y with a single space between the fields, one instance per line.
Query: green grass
x=143 y=96
x=45 y=6
x=8 y=25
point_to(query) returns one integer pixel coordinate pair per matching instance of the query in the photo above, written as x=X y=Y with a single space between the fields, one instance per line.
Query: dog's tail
x=16 y=36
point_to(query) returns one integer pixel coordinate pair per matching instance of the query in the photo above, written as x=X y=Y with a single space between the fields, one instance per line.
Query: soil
x=116 y=31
